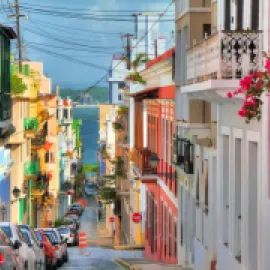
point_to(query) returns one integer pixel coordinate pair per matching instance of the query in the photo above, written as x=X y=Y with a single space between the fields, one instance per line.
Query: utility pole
x=128 y=48
x=19 y=40
x=19 y=34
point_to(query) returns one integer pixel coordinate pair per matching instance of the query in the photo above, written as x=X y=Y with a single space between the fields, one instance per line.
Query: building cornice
x=192 y=10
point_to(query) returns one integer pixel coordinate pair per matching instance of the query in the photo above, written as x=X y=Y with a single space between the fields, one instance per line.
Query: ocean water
x=89 y=132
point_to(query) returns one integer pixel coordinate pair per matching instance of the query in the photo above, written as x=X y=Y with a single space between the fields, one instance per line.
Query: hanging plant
x=118 y=126
x=122 y=110
x=135 y=77
x=253 y=86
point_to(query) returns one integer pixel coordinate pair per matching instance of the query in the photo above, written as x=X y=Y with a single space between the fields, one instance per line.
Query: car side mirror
x=41 y=245
x=17 y=244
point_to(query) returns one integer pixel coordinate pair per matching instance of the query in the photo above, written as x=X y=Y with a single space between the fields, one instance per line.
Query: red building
x=154 y=122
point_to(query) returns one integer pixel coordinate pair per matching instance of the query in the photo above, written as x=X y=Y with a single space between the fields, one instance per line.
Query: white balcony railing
x=225 y=55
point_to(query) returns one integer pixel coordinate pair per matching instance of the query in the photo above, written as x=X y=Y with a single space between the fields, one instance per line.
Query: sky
x=53 y=39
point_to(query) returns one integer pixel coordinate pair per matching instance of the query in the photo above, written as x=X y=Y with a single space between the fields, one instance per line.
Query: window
x=239 y=14
x=225 y=180
x=255 y=14
x=175 y=239
x=198 y=190
x=66 y=113
x=207 y=30
x=7 y=231
x=205 y=176
x=170 y=235
x=227 y=22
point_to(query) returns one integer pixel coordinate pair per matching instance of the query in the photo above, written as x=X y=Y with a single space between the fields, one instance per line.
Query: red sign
x=111 y=219
x=137 y=217
x=70 y=192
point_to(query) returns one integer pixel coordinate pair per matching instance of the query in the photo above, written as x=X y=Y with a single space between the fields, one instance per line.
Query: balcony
x=30 y=126
x=31 y=170
x=178 y=150
x=66 y=122
x=188 y=157
x=142 y=161
x=224 y=56
x=39 y=140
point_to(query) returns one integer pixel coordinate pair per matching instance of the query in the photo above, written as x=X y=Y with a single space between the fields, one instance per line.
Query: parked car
x=9 y=257
x=74 y=211
x=35 y=244
x=89 y=191
x=78 y=205
x=70 y=224
x=67 y=234
x=26 y=253
x=58 y=244
x=50 y=253
x=74 y=218
x=76 y=236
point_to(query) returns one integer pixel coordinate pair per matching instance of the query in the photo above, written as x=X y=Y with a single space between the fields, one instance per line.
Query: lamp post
x=16 y=193
x=3 y=210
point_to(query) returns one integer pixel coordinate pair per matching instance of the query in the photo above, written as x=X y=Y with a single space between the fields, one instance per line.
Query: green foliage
x=122 y=110
x=135 y=77
x=118 y=126
x=91 y=168
x=108 y=194
x=79 y=178
x=60 y=222
x=18 y=87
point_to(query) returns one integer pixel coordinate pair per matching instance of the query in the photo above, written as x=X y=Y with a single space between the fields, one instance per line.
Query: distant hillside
x=99 y=94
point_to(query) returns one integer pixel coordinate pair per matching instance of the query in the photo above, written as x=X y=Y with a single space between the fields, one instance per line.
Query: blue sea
x=89 y=132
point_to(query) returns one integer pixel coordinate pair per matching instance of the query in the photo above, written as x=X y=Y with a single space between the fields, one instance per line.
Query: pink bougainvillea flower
x=242 y=112
x=250 y=100
x=245 y=83
x=267 y=65
x=229 y=95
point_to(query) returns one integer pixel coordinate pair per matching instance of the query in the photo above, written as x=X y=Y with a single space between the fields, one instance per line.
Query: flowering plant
x=253 y=86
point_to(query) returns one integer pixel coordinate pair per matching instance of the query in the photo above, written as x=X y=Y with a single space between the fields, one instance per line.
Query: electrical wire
x=138 y=42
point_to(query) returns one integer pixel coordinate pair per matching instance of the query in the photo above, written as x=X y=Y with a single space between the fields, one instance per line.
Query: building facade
x=219 y=157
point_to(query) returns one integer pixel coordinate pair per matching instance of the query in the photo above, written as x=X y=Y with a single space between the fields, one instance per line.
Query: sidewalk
x=144 y=264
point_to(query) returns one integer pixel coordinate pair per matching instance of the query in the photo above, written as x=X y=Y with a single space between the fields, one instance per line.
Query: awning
x=145 y=91
x=7 y=131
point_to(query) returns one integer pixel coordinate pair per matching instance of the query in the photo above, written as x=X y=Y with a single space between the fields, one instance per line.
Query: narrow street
x=94 y=257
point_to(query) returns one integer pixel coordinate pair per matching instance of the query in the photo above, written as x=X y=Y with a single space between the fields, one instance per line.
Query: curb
x=129 y=247
x=126 y=265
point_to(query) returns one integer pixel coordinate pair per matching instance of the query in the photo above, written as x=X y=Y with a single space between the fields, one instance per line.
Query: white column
x=145 y=131
x=131 y=122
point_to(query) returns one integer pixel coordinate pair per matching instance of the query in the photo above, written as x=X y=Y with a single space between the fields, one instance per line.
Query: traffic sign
x=111 y=219
x=137 y=217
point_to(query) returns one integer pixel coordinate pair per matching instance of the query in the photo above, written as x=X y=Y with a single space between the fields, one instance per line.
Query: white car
x=35 y=244
x=67 y=234
x=26 y=253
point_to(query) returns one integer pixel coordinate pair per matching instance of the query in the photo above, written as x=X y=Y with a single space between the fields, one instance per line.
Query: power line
x=92 y=65
x=146 y=33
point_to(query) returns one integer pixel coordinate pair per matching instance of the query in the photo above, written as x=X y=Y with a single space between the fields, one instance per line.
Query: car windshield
x=63 y=230
x=26 y=237
x=52 y=238
x=7 y=231
x=39 y=236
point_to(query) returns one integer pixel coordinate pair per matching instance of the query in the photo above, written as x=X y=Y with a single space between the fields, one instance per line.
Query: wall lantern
x=16 y=192
x=154 y=161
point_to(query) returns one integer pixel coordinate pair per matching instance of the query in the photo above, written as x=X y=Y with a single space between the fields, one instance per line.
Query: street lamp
x=3 y=210
x=154 y=161
x=16 y=192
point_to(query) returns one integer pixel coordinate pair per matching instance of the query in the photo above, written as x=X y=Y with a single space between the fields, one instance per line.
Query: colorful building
x=157 y=186
x=6 y=127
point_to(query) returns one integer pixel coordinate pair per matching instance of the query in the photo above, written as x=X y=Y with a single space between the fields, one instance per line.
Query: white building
x=224 y=187
x=118 y=73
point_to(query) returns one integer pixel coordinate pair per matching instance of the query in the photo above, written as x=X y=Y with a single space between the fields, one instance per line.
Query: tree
x=18 y=87
x=91 y=168
x=108 y=194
